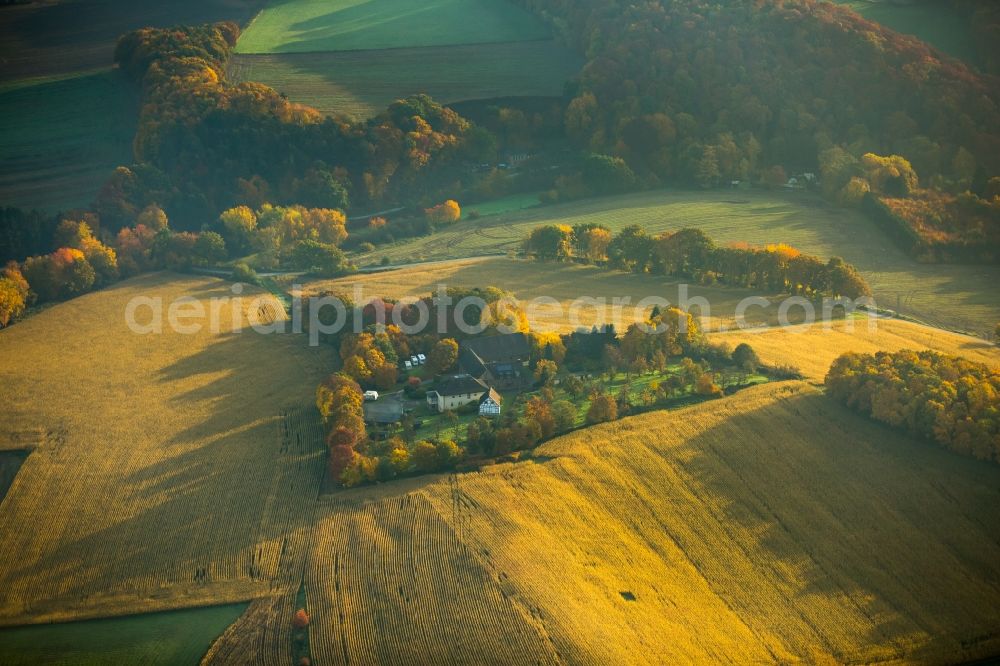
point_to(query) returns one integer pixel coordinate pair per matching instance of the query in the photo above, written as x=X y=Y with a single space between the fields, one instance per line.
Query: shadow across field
x=959 y=297
x=900 y=539
x=363 y=83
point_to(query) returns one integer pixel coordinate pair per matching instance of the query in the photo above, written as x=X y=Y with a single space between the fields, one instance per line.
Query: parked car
x=421 y=358
x=414 y=360
x=371 y=396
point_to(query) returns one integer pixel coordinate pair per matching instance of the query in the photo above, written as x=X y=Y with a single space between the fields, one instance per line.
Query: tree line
x=690 y=253
x=947 y=399
x=288 y=237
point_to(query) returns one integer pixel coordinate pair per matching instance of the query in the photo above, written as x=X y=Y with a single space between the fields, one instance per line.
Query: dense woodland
x=947 y=399
x=690 y=253
x=705 y=87
x=707 y=92
x=204 y=144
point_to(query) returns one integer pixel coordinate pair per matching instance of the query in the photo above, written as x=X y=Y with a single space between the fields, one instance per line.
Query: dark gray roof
x=459 y=385
x=495 y=348
x=475 y=354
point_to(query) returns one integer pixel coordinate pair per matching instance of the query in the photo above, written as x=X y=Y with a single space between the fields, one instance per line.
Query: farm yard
x=959 y=297
x=658 y=525
x=363 y=83
x=304 y=26
x=166 y=471
x=62 y=137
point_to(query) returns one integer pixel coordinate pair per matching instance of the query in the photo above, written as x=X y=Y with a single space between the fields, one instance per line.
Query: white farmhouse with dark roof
x=455 y=391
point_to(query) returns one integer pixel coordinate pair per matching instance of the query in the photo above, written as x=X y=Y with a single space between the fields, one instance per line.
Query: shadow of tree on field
x=900 y=536
x=212 y=497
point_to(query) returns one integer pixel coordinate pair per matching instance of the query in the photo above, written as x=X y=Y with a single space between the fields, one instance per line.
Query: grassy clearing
x=812 y=349
x=514 y=202
x=933 y=22
x=302 y=26
x=362 y=83
x=773 y=526
x=62 y=136
x=176 y=637
x=952 y=296
x=168 y=470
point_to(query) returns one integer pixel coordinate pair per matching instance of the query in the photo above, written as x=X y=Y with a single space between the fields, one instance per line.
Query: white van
x=371 y=396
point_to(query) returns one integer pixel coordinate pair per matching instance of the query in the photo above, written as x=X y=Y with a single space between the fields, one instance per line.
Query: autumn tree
x=546 y=371
x=63 y=274
x=551 y=241
x=424 y=456
x=301 y=619
x=239 y=225
x=705 y=385
x=12 y=301
x=442 y=356
x=892 y=175
x=563 y=415
x=591 y=241
x=444 y=213
x=746 y=358
x=540 y=411
x=602 y=408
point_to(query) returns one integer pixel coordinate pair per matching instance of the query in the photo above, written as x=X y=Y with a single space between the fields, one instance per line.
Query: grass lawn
x=514 y=202
x=301 y=26
x=438 y=425
x=962 y=297
x=933 y=22
x=362 y=83
x=175 y=637
x=62 y=136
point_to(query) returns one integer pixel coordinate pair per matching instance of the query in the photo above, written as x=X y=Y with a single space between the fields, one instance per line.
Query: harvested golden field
x=959 y=297
x=167 y=470
x=813 y=348
x=772 y=526
x=565 y=283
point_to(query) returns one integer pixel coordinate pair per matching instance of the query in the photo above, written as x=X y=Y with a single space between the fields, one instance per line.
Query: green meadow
x=301 y=26
x=175 y=637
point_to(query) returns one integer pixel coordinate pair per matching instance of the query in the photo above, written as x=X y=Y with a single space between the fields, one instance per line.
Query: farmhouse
x=489 y=404
x=497 y=360
x=456 y=391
